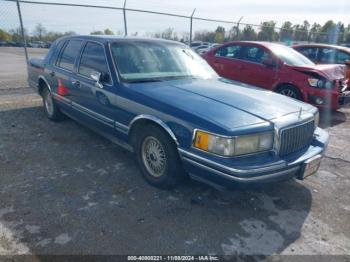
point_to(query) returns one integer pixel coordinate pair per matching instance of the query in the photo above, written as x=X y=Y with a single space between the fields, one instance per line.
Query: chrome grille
x=296 y=138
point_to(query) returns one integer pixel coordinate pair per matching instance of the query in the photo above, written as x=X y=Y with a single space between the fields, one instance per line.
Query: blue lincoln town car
x=162 y=101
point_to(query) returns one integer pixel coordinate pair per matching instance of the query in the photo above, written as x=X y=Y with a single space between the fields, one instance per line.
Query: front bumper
x=333 y=99
x=229 y=176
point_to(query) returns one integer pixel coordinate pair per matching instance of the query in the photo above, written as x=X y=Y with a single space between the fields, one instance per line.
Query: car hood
x=229 y=104
x=329 y=71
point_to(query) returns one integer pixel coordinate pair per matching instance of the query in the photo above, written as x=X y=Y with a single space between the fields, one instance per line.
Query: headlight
x=231 y=146
x=314 y=82
x=317 y=119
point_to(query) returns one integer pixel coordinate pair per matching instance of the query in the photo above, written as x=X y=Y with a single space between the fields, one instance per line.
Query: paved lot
x=13 y=71
x=66 y=190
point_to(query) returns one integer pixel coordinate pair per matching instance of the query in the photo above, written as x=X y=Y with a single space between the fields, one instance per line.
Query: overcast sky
x=85 y=20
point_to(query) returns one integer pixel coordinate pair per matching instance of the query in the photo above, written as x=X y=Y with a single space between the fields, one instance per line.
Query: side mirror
x=347 y=62
x=96 y=76
x=268 y=62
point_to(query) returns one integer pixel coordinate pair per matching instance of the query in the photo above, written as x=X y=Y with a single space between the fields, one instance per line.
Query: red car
x=326 y=54
x=283 y=70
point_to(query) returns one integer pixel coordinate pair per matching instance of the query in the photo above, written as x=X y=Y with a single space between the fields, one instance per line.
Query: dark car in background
x=162 y=101
x=327 y=54
x=281 y=69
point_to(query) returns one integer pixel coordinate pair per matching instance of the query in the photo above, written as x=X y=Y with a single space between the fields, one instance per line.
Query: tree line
x=329 y=32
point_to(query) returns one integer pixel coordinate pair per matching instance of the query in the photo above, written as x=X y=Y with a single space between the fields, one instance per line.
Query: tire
x=290 y=91
x=52 y=111
x=158 y=158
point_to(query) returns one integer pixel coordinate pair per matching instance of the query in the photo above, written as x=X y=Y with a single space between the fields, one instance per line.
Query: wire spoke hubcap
x=49 y=104
x=153 y=156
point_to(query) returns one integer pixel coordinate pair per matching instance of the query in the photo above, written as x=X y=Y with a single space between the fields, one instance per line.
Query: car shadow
x=66 y=190
x=330 y=118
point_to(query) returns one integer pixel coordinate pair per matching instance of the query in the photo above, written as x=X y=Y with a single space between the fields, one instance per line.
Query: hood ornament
x=300 y=112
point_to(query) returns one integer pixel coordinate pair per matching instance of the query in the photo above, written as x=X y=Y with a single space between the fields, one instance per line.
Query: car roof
x=261 y=43
x=344 y=48
x=114 y=38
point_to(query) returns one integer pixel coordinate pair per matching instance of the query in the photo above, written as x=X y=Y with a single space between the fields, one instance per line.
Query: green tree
x=301 y=32
x=286 y=32
x=39 y=31
x=248 y=33
x=108 y=31
x=219 y=34
x=99 y=32
x=347 y=34
x=16 y=34
x=315 y=32
x=5 y=36
x=267 y=32
x=234 y=33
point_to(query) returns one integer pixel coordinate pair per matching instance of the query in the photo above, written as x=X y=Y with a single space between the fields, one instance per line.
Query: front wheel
x=158 y=158
x=290 y=91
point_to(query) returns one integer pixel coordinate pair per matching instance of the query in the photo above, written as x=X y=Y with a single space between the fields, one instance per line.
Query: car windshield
x=139 y=61
x=290 y=56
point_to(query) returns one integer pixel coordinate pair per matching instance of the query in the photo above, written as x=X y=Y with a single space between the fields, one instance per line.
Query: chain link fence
x=43 y=22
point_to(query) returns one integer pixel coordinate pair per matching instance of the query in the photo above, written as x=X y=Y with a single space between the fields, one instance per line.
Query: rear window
x=69 y=54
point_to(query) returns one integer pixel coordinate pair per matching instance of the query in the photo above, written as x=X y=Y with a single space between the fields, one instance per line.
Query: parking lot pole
x=22 y=30
x=124 y=13
x=191 y=19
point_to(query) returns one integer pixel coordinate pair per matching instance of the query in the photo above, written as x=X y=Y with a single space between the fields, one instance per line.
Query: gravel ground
x=66 y=190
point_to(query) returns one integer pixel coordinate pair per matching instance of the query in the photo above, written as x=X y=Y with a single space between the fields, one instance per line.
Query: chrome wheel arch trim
x=41 y=77
x=155 y=120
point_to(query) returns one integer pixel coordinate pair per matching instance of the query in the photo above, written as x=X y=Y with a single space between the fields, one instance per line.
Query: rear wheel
x=51 y=109
x=158 y=158
x=290 y=91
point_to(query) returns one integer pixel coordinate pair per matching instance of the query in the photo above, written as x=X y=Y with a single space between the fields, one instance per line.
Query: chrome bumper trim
x=243 y=179
x=214 y=164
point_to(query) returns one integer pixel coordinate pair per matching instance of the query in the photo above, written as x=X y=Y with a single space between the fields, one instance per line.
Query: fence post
x=22 y=30
x=237 y=27
x=191 y=19
x=125 y=25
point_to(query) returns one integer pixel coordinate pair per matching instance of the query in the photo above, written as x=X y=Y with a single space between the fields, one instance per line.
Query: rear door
x=225 y=61
x=253 y=71
x=62 y=73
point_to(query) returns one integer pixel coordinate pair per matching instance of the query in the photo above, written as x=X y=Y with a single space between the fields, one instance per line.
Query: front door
x=97 y=101
x=254 y=71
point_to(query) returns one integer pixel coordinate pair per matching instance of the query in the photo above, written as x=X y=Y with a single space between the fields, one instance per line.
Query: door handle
x=52 y=73
x=76 y=83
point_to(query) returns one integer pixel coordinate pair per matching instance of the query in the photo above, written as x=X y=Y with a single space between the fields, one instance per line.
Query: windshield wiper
x=145 y=80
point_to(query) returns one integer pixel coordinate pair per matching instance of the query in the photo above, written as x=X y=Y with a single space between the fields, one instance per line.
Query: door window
x=328 y=56
x=255 y=54
x=229 y=51
x=309 y=52
x=342 y=57
x=69 y=54
x=93 y=59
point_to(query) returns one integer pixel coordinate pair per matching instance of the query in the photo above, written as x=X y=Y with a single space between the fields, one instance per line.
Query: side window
x=69 y=54
x=342 y=57
x=93 y=59
x=230 y=51
x=309 y=52
x=57 y=48
x=328 y=56
x=255 y=54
